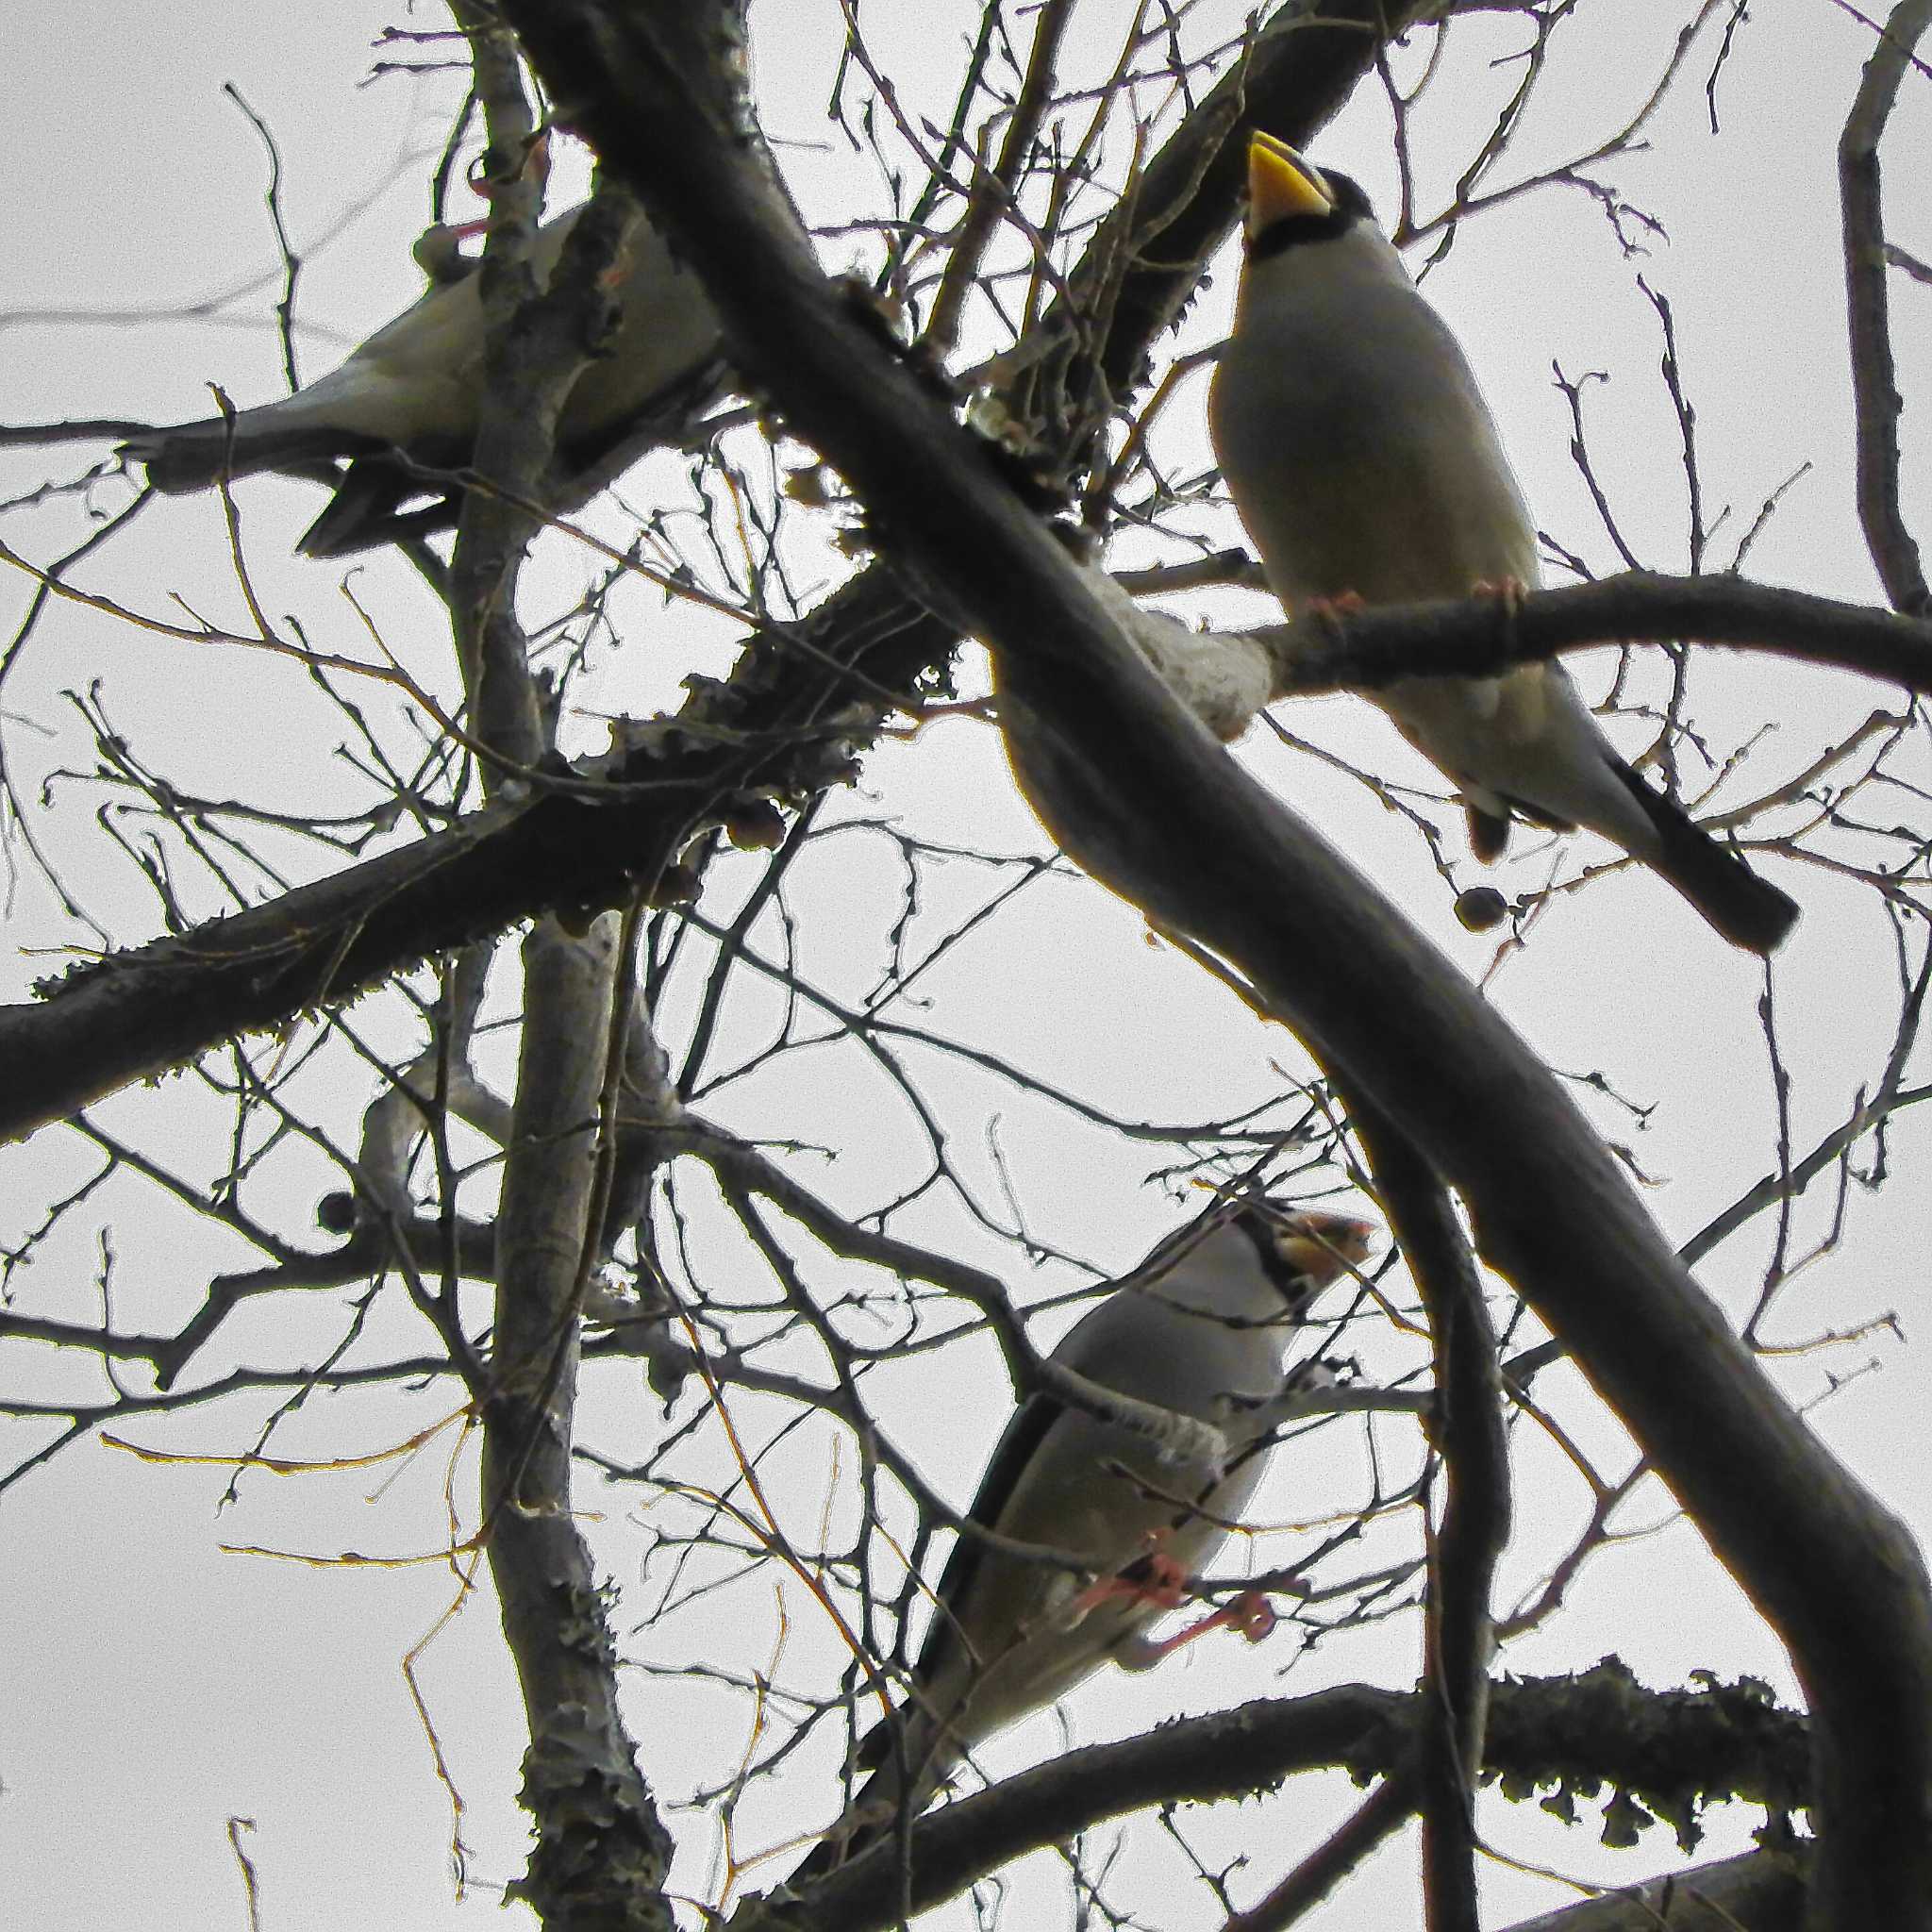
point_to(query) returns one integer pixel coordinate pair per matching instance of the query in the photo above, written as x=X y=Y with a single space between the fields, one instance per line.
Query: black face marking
x=1296 y=231
x=1348 y=194
x=1293 y=1287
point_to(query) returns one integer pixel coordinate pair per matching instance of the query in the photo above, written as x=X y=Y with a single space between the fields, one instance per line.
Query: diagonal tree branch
x=783 y=727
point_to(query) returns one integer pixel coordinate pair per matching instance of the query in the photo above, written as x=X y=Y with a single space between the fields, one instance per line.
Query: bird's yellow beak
x=1324 y=1247
x=1281 y=184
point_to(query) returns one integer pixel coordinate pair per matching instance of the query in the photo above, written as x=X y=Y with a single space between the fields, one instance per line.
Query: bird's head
x=1291 y=201
x=1303 y=1249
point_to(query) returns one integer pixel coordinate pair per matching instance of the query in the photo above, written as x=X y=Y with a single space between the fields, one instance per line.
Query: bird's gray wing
x=1018 y=1445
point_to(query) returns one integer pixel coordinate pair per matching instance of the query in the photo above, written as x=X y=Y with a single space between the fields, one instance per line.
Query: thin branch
x=994 y=193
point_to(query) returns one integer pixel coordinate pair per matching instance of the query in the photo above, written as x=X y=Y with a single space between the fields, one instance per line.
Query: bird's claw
x=1251 y=1613
x=1156 y=1577
x=1330 y=611
x=1507 y=591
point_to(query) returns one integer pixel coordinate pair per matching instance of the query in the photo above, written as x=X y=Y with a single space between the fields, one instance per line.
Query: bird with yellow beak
x=1366 y=466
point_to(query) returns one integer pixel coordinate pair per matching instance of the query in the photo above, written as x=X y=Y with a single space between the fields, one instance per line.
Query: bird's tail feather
x=1749 y=912
x=190 y=456
x=370 y=509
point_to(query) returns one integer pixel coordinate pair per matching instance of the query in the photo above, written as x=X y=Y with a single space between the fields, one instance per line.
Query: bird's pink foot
x=1155 y=1578
x=1330 y=611
x=1251 y=1613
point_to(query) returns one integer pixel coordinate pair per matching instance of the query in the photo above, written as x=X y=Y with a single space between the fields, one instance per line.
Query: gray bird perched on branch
x=415 y=389
x=1198 y=1330
x=1365 y=463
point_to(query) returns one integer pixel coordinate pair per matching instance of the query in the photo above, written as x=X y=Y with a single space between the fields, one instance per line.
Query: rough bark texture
x=601 y=1851
x=1662 y=1751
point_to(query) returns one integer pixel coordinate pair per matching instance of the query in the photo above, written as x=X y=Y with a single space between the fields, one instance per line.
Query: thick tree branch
x=1836 y=1574
x=601 y=1850
x=1876 y=402
x=777 y=730
x=1655 y=1746
x=1477 y=636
